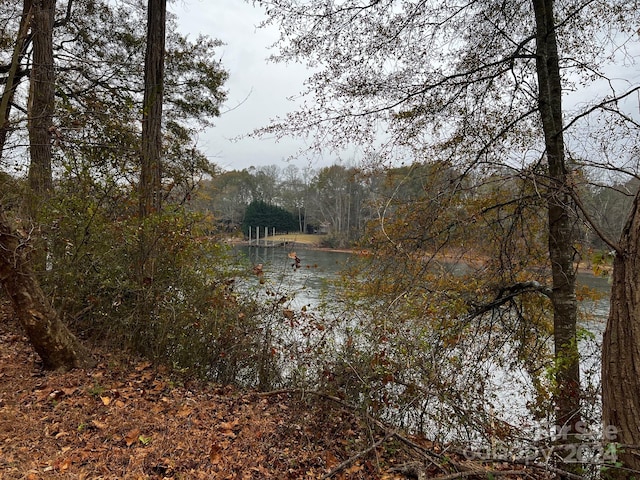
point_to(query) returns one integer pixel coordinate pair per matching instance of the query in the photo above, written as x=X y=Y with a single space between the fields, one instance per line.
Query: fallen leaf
x=63 y=464
x=330 y=460
x=105 y=401
x=354 y=469
x=229 y=425
x=158 y=386
x=99 y=425
x=69 y=391
x=215 y=454
x=143 y=366
x=132 y=437
x=184 y=411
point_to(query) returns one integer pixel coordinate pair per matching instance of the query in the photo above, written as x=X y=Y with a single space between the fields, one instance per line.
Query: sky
x=257 y=89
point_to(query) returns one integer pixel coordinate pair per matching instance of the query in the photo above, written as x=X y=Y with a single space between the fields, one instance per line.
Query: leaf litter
x=127 y=419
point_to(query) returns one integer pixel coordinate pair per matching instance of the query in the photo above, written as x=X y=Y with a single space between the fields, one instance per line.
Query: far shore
x=314 y=241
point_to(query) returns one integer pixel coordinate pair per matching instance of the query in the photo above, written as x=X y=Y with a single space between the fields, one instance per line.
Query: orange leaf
x=143 y=366
x=229 y=425
x=63 y=464
x=330 y=460
x=99 y=425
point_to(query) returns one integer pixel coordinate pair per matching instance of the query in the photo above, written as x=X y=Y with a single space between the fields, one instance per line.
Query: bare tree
x=477 y=85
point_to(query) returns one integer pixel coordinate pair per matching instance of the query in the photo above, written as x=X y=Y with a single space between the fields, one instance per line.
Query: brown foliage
x=127 y=419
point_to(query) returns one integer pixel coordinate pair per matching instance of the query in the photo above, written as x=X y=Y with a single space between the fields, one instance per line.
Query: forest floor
x=126 y=419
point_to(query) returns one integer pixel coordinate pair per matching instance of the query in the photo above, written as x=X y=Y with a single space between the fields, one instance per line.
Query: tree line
x=341 y=201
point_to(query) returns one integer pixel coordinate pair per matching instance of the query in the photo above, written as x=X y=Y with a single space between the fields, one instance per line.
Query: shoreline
x=601 y=271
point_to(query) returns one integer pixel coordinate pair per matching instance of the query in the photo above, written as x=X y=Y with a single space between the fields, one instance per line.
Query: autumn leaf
x=229 y=425
x=69 y=391
x=227 y=428
x=143 y=366
x=99 y=425
x=132 y=436
x=330 y=459
x=354 y=469
x=215 y=454
x=105 y=401
x=184 y=411
x=64 y=464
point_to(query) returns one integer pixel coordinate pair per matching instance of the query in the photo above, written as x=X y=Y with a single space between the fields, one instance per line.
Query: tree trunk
x=621 y=350
x=55 y=345
x=52 y=341
x=150 y=173
x=561 y=226
x=41 y=103
x=150 y=187
x=19 y=51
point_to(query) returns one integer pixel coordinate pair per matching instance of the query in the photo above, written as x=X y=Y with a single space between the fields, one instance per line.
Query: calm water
x=318 y=266
x=306 y=283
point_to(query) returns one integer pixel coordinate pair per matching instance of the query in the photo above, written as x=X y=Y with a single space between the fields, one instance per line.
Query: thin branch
x=593 y=224
x=361 y=454
x=485 y=473
x=601 y=106
x=507 y=294
x=63 y=21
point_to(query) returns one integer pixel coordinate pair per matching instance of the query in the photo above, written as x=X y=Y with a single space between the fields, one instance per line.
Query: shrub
x=187 y=314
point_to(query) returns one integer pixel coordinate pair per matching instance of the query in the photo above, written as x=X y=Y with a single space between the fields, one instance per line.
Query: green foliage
x=261 y=214
x=188 y=315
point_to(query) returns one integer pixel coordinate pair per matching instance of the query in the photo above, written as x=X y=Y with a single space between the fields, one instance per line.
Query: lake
x=307 y=285
x=317 y=267
x=308 y=282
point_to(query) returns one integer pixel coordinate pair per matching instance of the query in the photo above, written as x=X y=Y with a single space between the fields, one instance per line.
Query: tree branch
x=506 y=294
x=67 y=16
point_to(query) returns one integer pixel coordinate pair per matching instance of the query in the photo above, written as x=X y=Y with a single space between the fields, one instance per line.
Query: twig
x=430 y=455
x=495 y=473
x=536 y=465
x=350 y=460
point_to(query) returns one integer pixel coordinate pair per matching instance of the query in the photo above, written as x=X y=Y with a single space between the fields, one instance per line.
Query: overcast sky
x=257 y=89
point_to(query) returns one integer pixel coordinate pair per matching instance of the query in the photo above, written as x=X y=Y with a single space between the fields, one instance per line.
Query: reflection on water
x=308 y=283
x=595 y=311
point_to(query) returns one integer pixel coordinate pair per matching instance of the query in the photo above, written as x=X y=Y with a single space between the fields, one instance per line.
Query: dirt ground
x=127 y=419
